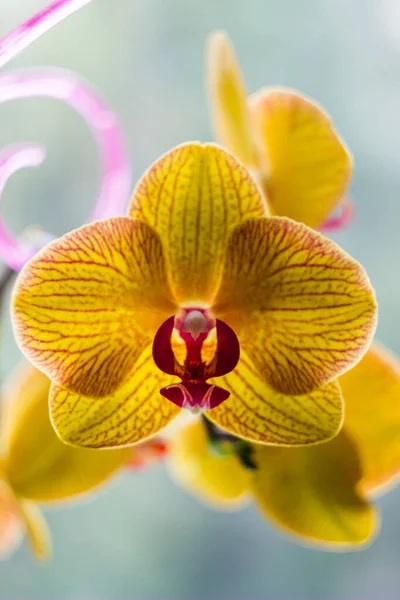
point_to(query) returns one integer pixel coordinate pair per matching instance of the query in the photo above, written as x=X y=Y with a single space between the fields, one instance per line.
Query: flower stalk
x=60 y=84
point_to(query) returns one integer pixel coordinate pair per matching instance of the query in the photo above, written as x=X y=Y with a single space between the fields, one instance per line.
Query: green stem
x=242 y=449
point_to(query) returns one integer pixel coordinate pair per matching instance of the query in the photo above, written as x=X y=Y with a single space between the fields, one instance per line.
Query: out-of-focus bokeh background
x=144 y=537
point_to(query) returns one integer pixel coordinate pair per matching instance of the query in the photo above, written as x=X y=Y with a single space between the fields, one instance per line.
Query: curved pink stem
x=67 y=87
x=14 y=252
x=36 y=26
x=343 y=219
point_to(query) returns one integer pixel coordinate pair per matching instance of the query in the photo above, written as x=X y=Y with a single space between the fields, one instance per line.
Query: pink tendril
x=69 y=88
x=13 y=158
x=36 y=26
x=66 y=86
x=343 y=219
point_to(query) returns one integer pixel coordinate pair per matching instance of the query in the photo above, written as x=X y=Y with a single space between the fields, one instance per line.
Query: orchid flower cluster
x=217 y=297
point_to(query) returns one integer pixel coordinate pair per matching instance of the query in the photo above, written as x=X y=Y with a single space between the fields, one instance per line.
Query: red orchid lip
x=193 y=326
x=195 y=395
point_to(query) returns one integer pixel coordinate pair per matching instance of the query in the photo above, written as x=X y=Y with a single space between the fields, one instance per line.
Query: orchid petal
x=193 y=197
x=116 y=174
x=312 y=493
x=306 y=165
x=256 y=412
x=38 y=465
x=303 y=309
x=228 y=99
x=133 y=413
x=371 y=391
x=220 y=481
x=87 y=305
x=37 y=530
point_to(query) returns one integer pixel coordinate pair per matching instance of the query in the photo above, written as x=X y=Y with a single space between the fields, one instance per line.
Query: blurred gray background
x=145 y=538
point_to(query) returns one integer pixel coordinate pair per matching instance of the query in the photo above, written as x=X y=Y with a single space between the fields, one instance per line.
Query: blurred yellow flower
x=197 y=260
x=36 y=467
x=320 y=494
x=287 y=140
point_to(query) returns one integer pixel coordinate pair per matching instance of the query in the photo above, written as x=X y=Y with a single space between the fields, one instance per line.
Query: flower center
x=197 y=330
x=195 y=323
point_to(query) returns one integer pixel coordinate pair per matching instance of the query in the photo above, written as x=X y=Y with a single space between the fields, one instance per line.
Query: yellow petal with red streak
x=303 y=309
x=37 y=530
x=228 y=99
x=306 y=165
x=38 y=465
x=220 y=481
x=87 y=305
x=256 y=412
x=371 y=391
x=132 y=414
x=193 y=197
x=312 y=493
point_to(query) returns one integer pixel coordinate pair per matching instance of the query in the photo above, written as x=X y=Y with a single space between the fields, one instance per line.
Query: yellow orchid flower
x=288 y=141
x=320 y=494
x=302 y=162
x=37 y=467
x=197 y=258
x=303 y=168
